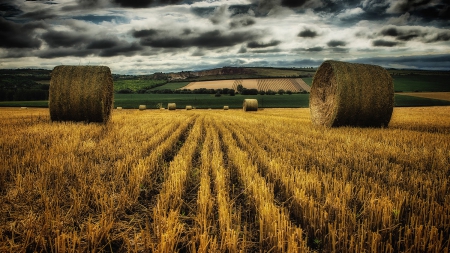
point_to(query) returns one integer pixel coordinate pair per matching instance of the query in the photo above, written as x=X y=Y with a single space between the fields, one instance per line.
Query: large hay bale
x=250 y=105
x=349 y=94
x=226 y=107
x=81 y=93
x=171 y=106
x=142 y=107
x=188 y=107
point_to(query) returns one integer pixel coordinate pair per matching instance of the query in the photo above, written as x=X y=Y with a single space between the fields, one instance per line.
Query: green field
x=171 y=86
x=431 y=83
x=205 y=101
x=136 y=85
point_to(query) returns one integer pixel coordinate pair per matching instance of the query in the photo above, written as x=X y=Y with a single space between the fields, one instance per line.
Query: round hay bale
x=250 y=105
x=23 y=108
x=349 y=94
x=81 y=93
x=142 y=107
x=171 y=106
x=226 y=107
x=188 y=107
x=119 y=108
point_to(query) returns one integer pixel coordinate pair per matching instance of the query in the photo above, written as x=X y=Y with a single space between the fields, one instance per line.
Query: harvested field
x=274 y=84
x=209 y=181
x=432 y=95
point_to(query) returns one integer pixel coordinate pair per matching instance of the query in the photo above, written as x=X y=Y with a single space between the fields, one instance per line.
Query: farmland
x=224 y=181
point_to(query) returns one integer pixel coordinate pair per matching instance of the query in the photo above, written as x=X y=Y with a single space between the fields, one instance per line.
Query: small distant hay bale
x=226 y=107
x=250 y=105
x=119 y=108
x=81 y=93
x=172 y=106
x=188 y=107
x=142 y=107
x=162 y=108
x=23 y=108
x=349 y=94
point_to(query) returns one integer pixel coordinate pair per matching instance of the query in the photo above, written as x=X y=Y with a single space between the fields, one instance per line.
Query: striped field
x=274 y=84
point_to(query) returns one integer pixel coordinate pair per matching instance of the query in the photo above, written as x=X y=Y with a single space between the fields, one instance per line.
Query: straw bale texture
x=250 y=105
x=172 y=106
x=81 y=93
x=349 y=94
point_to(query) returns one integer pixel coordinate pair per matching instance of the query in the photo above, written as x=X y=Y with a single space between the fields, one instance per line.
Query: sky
x=149 y=36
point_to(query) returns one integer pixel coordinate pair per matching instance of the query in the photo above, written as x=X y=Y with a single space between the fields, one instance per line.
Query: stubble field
x=224 y=181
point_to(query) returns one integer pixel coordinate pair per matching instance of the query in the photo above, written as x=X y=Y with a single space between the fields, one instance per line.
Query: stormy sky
x=148 y=36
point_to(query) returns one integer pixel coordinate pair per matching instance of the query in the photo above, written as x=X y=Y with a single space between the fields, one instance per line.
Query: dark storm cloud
x=256 y=44
x=211 y=39
x=121 y=49
x=314 y=49
x=144 y=3
x=293 y=3
x=9 y=10
x=307 y=33
x=39 y=15
x=384 y=43
x=336 y=43
x=64 y=38
x=102 y=44
x=426 y=35
x=19 y=35
x=144 y=33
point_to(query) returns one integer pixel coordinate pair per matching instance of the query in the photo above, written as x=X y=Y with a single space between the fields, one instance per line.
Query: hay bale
x=23 y=108
x=250 y=105
x=142 y=107
x=349 y=94
x=81 y=93
x=226 y=107
x=188 y=107
x=119 y=108
x=171 y=106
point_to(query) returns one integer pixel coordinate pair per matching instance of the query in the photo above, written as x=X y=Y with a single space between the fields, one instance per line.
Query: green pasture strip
x=406 y=101
x=136 y=84
x=432 y=83
x=205 y=101
x=171 y=86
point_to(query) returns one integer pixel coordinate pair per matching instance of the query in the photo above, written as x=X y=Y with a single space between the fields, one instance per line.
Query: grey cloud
x=314 y=49
x=19 y=35
x=308 y=33
x=211 y=39
x=384 y=43
x=9 y=10
x=102 y=44
x=144 y=33
x=255 y=44
x=242 y=22
x=426 y=35
x=64 y=38
x=336 y=43
x=123 y=48
x=39 y=15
